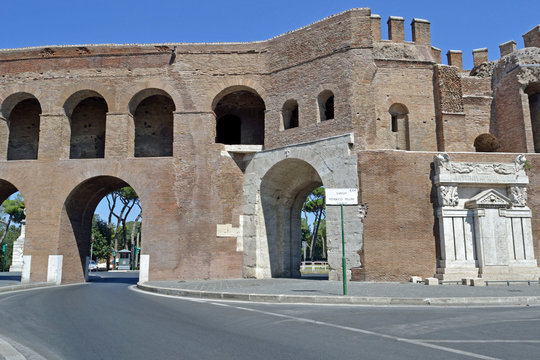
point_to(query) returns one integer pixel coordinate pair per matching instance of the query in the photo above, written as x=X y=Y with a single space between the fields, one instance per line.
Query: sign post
x=342 y=197
x=4 y=249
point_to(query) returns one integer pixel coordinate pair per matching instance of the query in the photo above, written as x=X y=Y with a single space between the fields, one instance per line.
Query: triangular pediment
x=488 y=199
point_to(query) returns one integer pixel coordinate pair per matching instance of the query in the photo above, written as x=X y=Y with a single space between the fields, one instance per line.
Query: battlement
x=530 y=39
x=421 y=33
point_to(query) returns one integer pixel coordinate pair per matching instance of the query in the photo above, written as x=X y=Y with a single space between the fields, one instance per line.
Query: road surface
x=108 y=319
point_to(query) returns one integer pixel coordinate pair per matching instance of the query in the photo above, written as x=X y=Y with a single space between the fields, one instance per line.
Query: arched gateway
x=223 y=141
x=275 y=187
x=76 y=223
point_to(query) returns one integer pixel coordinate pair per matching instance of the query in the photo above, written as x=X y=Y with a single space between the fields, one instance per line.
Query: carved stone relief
x=448 y=195
x=487 y=232
x=518 y=196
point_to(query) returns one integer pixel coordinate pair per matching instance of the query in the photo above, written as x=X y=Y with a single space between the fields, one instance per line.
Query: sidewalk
x=11 y=281
x=330 y=292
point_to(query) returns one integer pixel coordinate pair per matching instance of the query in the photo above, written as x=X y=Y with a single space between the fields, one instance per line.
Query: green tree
x=127 y=198
x=12 y=235
x=319 y=249
x=12 y=210
x=102 y=239
x=314 y=204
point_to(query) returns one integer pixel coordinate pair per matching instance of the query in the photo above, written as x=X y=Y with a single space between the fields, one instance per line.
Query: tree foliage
x=316 y=243
x=102 y=239
x=12 y=235
x=126 y=198
x=11 y=211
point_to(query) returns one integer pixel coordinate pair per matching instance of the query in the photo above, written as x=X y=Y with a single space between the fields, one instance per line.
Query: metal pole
x=344 y=263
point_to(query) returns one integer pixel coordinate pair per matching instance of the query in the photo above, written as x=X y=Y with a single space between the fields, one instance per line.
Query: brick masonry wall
x=186 y=195
x=412 y=86
x=400 y=230
x=477 y=101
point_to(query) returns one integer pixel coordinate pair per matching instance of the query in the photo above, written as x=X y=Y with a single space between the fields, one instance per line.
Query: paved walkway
x=331 y=292
x=10 y=278
x=11 y=281
x=328 y=292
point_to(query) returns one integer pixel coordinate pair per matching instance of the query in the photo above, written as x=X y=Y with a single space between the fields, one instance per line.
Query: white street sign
x=341 y=196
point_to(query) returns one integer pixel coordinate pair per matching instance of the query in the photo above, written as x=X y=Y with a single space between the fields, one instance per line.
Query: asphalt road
x=107 y=319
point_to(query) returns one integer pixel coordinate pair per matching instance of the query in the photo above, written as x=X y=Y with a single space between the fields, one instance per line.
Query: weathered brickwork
x=397 y=186
x=222 y=142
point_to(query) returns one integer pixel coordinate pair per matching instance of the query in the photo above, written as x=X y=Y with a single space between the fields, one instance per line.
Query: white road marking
x=469 y=341
x=317 y=322
x=9 y=352
x=16 y=292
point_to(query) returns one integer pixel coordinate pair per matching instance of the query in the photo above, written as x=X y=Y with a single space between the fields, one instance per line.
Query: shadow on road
x=10 y=277
x=314 y=277
x=113 y=277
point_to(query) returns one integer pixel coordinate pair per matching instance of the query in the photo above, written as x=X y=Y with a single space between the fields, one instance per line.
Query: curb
x=346 y=300
x=4 y=289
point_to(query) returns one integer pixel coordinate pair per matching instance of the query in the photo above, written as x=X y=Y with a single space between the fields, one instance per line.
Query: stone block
x=27 y=265
x=478 y=282
x=431 y=281
x=416 y=279
x=144 y=268
x=54 y=269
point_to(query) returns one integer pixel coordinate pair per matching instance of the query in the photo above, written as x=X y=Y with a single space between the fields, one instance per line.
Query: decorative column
x=458 y=257
x=484 y=222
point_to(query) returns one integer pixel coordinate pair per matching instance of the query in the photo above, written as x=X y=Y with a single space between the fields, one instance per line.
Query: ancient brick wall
x=400 y=230
x=477 y=101
x=101 y=116
x=410 y=85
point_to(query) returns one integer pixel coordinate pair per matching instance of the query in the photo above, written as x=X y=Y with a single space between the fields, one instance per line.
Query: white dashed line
x=347 y=328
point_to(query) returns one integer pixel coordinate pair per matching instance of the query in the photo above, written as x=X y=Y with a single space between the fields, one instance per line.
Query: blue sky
x=465 y=26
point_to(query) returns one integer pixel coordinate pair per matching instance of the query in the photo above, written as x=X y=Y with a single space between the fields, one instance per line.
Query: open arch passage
x=290 y=114
x=88 y=127
x=76 y=223
x=284 y=189
x=23 y=119
x=153 y=116
x=399 y=115
x=240 y=118
x=229 y=130
x=533 y=91
x=326 y=105
x=12 y=223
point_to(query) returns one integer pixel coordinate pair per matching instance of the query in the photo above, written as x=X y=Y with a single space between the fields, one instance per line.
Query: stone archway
x=87 y=112
x=153 y=113
x=239 y=117
x=22 y=112
x=283 y=191
x=76 y=224
x=275 y=186
x=7 y=189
